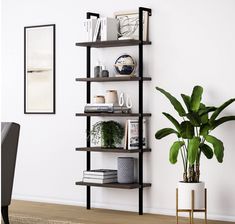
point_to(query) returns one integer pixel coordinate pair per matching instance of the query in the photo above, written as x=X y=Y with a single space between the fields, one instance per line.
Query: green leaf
x=196 y=98
x=204 y=118
x=193 y=149
x=174 y=151
x=194 y=119
x=173 y=120
x=187 y=130
x=220 y=109
x=176 y=104
x=187 y=100
x=218 y=147
x=204 y=129
x=207 y=150
x=164 y=132
x=206 y=110
x=222 y=120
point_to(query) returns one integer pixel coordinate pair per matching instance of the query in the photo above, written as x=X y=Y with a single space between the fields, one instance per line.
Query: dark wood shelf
x=113 y=79
x=112 y=43
x=112 y=115
x=113 y=150
x=114 y=185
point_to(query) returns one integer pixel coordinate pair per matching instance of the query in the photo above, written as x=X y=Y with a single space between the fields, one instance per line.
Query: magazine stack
x=100 y=176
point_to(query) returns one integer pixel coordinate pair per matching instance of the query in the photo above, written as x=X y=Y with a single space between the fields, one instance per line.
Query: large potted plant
x=194 y=139
x=109 y=133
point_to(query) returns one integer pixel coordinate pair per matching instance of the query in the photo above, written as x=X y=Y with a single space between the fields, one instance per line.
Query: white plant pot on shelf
x=185 y=195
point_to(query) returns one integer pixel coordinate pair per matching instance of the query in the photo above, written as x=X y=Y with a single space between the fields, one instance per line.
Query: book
x=97 y=31
x=100 y=181
x=101 y=172
x=106 y=108
x=133 y=134
x=89 y=25
x=126 y=135
x=100 y=176
x=108 y=29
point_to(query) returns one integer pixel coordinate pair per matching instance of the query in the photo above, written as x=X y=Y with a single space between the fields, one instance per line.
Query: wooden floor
x=94 y=216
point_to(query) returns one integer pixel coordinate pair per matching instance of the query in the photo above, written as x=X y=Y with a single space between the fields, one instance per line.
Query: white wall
x=193 y=43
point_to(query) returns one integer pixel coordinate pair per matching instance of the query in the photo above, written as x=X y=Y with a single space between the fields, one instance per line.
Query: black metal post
x=141 y=111
x=141 y=10
x=88 y=120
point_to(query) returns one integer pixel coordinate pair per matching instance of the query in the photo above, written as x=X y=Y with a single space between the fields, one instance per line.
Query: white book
x=108 y=29
x=126 y=136
x=89 y=25
x=133 y=134
x=100 y=104
x=97 y=31
x=86 y=25
x=100 y=181
x=101 y=172
x=100 y=176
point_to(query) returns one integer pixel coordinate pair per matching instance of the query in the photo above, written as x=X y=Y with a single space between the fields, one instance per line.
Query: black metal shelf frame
x=88 y=100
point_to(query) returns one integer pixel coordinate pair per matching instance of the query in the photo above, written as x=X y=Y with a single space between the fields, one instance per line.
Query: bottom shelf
x=114 y=185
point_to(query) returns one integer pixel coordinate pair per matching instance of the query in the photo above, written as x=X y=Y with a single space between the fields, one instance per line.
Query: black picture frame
x=52 y=106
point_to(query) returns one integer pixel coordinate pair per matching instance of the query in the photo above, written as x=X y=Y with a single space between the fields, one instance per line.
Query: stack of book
x=100 y=176
x=101 y=29
x=105 y=108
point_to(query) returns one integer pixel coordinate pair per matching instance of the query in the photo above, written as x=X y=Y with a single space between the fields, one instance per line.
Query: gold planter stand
x=192 y=210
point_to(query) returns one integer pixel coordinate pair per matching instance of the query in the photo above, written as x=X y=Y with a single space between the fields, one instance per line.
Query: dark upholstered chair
x=9 y=140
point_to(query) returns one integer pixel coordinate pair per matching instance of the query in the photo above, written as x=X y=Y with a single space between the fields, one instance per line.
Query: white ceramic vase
x=111 y=97
x=185 y=198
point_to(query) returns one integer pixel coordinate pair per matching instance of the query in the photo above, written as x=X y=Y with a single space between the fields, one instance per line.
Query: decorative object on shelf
x=104 y=73
x=122 y=102
x=128 y=102
x=125 y=65
x=39 y=69
x=125 y=174
x=131 y=140
x=111 y=96
x=99 y=99
x=100 y=176
x=128 y=25
x=97 y=70
x=121 y=99
x=194 y=139
x=109 y=132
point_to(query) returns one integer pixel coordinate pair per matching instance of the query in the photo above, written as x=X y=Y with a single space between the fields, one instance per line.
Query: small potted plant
x=194 y=139
x=110 y=133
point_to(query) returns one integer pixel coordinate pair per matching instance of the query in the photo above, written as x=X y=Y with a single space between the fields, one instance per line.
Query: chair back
x=9 y=143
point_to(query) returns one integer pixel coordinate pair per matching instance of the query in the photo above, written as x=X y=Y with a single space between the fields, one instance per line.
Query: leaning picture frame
x=39 y=69
x=128 y=25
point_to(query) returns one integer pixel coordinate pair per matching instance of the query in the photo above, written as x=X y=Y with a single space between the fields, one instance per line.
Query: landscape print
x=39 y=69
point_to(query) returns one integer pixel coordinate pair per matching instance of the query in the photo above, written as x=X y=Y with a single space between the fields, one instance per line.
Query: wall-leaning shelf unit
x=88 y=79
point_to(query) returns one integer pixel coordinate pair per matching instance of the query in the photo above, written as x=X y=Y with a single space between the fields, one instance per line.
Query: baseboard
x=160 y=211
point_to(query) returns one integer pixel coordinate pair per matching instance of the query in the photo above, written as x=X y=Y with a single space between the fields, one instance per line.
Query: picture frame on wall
x=39 y=69
x=128 y=25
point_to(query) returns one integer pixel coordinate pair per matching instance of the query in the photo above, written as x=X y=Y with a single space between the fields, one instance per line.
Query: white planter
x=185 y=198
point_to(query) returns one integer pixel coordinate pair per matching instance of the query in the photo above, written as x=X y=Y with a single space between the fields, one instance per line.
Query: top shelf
x=112 y=43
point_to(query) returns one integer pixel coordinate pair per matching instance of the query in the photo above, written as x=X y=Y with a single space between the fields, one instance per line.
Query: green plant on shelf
x=194 y=132
x=109 y=133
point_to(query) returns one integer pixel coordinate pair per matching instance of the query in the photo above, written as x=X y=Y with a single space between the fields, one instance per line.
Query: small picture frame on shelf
x=128 y=25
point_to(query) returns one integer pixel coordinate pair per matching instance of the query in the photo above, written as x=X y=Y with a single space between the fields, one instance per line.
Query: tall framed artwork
x=39 y=69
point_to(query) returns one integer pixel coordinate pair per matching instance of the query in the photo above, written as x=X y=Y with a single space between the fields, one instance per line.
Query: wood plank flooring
x=94 y=216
